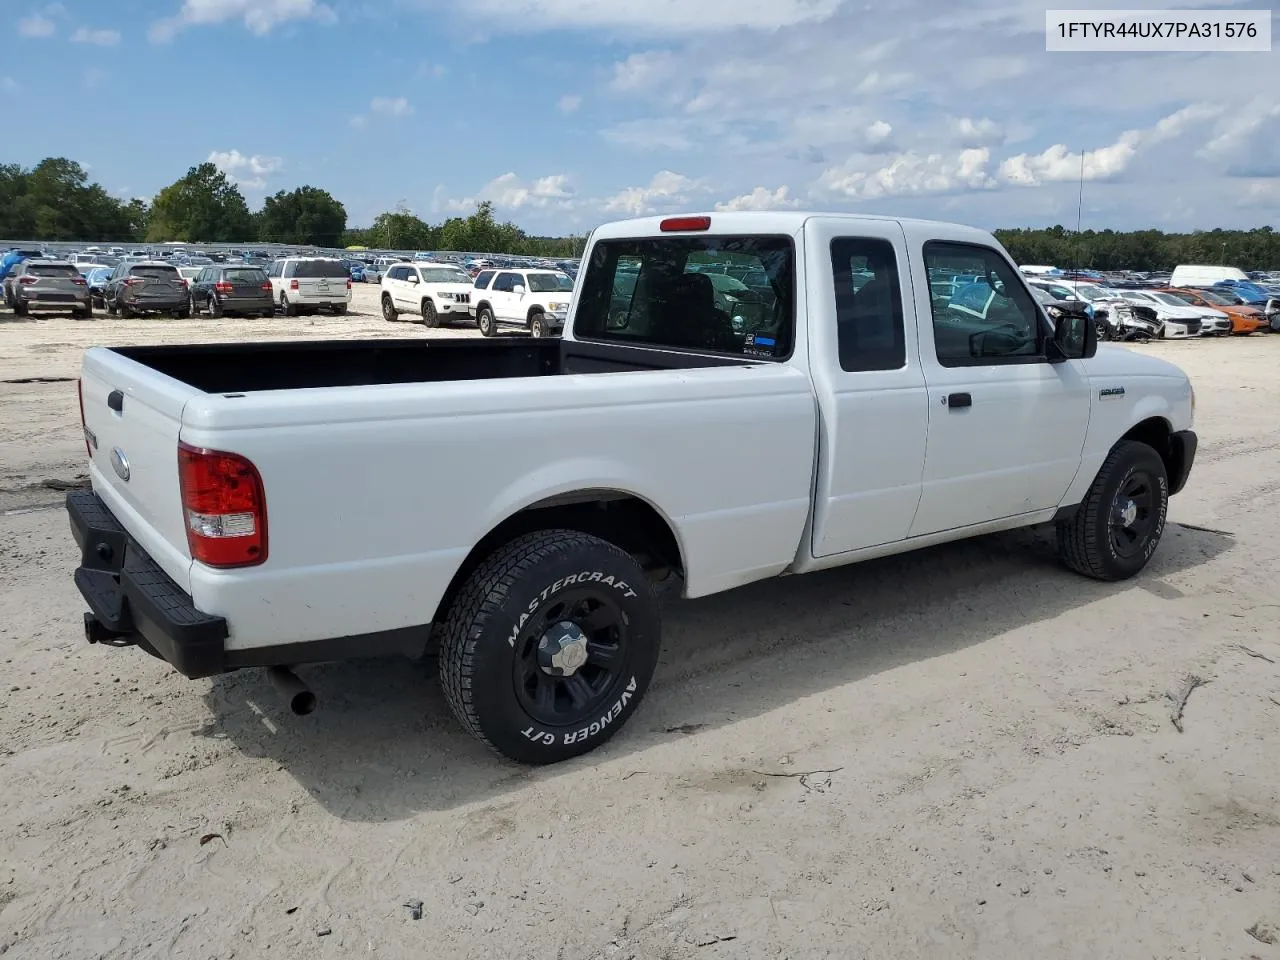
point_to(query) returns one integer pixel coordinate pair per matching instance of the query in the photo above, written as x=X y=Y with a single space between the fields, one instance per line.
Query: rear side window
x=506 y=282
x=320 y=269
x=685 y=293
x=483 y=278
x=53 y=270
x=868 y=305
x=159 y=272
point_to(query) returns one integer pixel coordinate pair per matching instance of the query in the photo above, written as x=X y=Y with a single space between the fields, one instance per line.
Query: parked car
x=1213 y=322
x=189 y=273
x=1197 y=275
x=228 y=288
x=437 y=292
x=372 y=273
x=1244 y=319
x=537 y=300
x=305 y=284
x=1176 y=322
x=146 y=286
x=97 y=283
x=43 y=285
x=715 y=459
x=356 y=269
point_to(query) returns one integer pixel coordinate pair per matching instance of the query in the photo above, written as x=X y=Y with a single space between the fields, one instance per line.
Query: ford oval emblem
x=119 y=463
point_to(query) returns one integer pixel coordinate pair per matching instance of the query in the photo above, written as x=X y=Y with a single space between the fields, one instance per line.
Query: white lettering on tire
x=546 y=739
x=586 y=576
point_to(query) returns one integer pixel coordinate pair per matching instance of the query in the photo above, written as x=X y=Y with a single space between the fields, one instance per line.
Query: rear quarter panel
x=375 y=495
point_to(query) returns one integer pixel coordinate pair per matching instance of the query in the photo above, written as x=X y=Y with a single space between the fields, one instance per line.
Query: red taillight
x=222 y=286
x=293 y=284
x=80 y=282
x=267 y=286
x=84 y=427
x=225 y=507
x=673 y=224
x=28 y=280
x=130 y=281
x=348 y=283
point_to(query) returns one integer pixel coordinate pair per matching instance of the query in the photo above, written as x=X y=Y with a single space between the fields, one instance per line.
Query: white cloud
x=509 y=192
x=36 y=26
x=877 y=137
x=909 y=174
x=391 y=106
x=8 y=84
x=246 y=171
x=644 y=71
x=260 y=17
x=666 y=189
x=761 y=198
x=659 y=133
x=1057 y=163
x=652 y=16
x=981 y=132
x=569 y=103
x=101 y=38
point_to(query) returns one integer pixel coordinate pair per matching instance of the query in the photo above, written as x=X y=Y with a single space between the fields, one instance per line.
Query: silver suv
x=48 y=285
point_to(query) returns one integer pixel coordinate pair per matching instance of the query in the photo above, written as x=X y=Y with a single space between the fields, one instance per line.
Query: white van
x=1190 y=275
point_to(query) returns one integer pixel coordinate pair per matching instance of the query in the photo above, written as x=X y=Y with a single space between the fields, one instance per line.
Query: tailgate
x=134 y=463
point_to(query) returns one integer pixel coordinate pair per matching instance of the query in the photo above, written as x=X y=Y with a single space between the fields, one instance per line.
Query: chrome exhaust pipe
x=301 y=700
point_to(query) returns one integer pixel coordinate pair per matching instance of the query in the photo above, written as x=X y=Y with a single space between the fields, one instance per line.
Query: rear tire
x=288 y=309
x=215 y=308
x=486 y=322
x=112 y=309
x=495 y=646
x=429 y=316
x=339 y=309
x=127 y=312
x=389 y=312
x=1118 y=525
x=20 y=309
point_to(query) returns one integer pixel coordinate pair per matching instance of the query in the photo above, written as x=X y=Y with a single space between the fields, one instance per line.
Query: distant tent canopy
x=357 y=246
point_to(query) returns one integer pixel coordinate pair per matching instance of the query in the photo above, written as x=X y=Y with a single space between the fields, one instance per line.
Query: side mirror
x=1075 y=337
x=412 y=278
x=518 y=290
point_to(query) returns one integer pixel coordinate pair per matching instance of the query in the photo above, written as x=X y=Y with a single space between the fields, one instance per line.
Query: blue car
x=97 y=280
x=356 y=269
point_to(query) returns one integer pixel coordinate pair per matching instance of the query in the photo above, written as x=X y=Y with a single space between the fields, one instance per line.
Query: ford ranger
x=254 y=505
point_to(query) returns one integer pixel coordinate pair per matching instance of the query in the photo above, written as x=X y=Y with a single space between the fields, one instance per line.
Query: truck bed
x=251 y=367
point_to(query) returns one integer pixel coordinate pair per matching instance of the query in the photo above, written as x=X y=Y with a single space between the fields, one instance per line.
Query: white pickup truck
x=258 y=504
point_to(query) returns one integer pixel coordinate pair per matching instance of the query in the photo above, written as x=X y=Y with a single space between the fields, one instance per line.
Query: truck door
x=1006 y=426
x=865 y=365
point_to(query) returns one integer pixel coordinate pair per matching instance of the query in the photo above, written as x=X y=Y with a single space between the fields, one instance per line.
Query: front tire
x=550 y=646
x=429 y=316
x=1104 y=330
x=389 y=312
x=537 y=326
x=485 y=321
x=1118 y=525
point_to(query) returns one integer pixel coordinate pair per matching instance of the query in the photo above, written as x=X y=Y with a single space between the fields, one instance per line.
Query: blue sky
x=566 y=113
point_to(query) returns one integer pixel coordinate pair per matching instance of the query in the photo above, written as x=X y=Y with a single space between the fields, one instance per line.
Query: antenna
x=1080 y=211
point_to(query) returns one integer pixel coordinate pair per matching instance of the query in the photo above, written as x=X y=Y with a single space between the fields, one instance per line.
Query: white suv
x=304 y=284
x=438 y=292
x=534 y=299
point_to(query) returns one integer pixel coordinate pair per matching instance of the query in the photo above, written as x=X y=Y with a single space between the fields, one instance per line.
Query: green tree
x=203 y=206
x=401 y=230
x=305 y=215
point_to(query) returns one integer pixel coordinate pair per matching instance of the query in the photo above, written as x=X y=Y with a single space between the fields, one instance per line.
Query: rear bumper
x=54 y=303
x=247 y=304
x=1182 y=453
x=159 y=303
x=133 y=601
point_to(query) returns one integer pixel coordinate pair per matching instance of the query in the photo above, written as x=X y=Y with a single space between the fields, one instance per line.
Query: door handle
x=956 y=400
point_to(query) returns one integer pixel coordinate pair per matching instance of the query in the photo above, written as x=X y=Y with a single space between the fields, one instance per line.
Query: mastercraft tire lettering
x=550 y=645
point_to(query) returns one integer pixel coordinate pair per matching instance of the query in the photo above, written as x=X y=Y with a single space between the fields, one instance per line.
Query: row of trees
x=1257 y=249
x=55 y=201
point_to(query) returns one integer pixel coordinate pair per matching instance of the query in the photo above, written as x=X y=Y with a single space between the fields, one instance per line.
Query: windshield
x=550 y=283
x=1169 y=298
x=445 y=275
x=1090 y=292
x=1221 y=299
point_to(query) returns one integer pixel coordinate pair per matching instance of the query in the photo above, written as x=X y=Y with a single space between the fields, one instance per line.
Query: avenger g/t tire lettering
x=1119 y=523
x=550 y=645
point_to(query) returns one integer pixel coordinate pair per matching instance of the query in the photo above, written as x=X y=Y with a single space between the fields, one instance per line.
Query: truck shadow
x=383 y=745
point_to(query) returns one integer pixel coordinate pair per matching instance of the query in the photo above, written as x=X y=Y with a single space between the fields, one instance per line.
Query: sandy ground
x=996 y=773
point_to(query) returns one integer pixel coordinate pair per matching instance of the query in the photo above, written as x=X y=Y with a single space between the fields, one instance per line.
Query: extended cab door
x=1006 y=426
x=865 y=364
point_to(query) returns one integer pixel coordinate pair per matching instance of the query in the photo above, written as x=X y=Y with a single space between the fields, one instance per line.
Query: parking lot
x=966 y=750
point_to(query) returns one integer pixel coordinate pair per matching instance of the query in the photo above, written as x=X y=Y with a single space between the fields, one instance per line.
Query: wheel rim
x=537 y=327
x=386 y=308
x=1104 y=332
x=569 y=656
x=1133 y=514
x=486 y=322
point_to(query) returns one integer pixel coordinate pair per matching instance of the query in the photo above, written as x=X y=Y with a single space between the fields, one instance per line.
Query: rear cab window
x=731 y=295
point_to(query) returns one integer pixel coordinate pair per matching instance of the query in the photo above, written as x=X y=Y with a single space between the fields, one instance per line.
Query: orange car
x=1244 y=319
